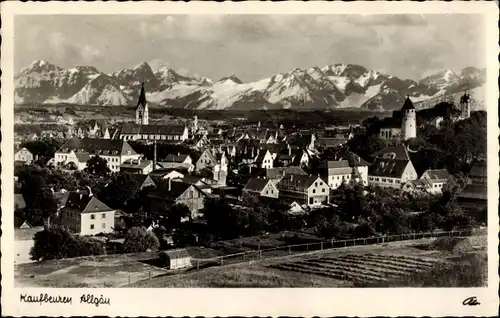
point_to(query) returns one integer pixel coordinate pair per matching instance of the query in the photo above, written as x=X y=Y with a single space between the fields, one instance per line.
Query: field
x=383 y=265
x=405 y=263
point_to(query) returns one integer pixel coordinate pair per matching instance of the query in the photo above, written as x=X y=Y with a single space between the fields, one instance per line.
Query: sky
x=253 y=46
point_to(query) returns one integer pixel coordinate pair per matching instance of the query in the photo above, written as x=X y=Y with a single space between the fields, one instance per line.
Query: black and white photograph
x=220 y=150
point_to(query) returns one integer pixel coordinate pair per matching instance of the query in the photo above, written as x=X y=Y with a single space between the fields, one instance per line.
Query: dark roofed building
x=280 y=172
x=79 y=151
x=137 y=166
x=261 y=187
x=303 y=189
x=151 y=132
x=170 y=193
x=388 y=171
x=86 y=215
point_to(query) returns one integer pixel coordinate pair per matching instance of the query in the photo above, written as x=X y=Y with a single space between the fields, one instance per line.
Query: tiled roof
x=134 y=129
x=85 y=203
x=82 y=156
x=260 y=157
x=19 y=201
x=277 y=173
x=97 y=146
x=419 y=184
x=169 y=190
x=176 y=158
x=297 y=182
x=384 y=167
x=329 y=142
x=136 y=164
x=179 y=253
x=474 y=191
x=353 y=159
x=256 y=185
x=437 y=174
x=399 y=151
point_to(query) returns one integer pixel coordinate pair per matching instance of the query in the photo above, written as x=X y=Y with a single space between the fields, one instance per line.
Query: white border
x=253 y=302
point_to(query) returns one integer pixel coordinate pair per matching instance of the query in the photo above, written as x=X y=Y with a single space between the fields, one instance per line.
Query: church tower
x=142 y=111
x=409 y=120
x=465 y=106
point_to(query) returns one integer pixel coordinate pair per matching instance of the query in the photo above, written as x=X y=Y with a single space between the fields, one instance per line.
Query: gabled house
x=358 y=164
x=336 y=172
x=393 y=173
x=264 y=160
x=276 y=174
x=179 y=158
x=303 y=189
x=137 y=166
x=474 y=197
x=260 y=188
x=169 y=193
x=166 y=173
x=84 y=214
x=23 y=155
x=214 y=163
x=79 y=151
x=143 y=181
x=437 y=179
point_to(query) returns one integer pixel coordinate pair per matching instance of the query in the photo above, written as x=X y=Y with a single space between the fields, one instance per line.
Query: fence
x=326 y=245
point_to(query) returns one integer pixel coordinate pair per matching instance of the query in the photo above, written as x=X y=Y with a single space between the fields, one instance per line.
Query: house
x=358 y=163
x=166 y=173
x=23 y=242
x=84 y=214
x=137 y=166
x=261 y=187
x=437 y=179
x=389 y=172
x=213 y=165
x=474 y=197
x=78 y=151
x=336 y=172
x=143 y=181
x=23 y=155
x=264 y=160
x=201 y=183
x=304 y=189
x=419 y=185
x=301 y=159
x=170 y=193
x=276 y=174
x=390 y=131
x=182 y=159
x=176 y=259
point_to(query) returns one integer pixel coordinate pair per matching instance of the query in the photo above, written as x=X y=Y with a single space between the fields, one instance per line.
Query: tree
x=176 y=213
x=138 y=239
x=58 y=242
x=97 y=166
x=363 y=230
x=120 y=191
x=40 y=201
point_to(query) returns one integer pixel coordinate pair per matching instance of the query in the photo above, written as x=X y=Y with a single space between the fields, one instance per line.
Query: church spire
x=142 y=97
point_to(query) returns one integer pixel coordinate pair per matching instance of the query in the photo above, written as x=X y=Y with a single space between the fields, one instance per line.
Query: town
x=190 y=188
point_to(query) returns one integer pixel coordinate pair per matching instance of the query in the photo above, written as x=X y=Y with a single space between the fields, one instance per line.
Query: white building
x=409 y=120
x=261 y=188
x=303 y=189
x=23 y=155
x=76 y=153
x=84 y=214
x=392 y=168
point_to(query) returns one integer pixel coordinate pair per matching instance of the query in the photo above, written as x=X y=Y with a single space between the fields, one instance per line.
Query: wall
x=22 y=251
x=98 y=221
x=319 y=192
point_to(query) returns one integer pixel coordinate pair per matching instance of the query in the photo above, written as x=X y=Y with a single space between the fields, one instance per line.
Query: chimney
x=178 y=154
x=154 y=155
x=52 y=190
x=169 y=184
x=289 y=149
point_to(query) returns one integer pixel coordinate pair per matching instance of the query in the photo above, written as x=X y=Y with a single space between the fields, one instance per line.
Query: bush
x=364 y=230
x=58 y=242
x=138 y=239
x=451 y=244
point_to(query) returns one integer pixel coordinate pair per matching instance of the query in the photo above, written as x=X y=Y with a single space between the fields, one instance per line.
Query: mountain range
x=328 y=87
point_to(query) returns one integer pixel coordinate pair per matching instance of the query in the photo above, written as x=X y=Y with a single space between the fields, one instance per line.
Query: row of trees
x=58 y=242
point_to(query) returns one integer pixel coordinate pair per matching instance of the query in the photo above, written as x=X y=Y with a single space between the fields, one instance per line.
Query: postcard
x=249 y=159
